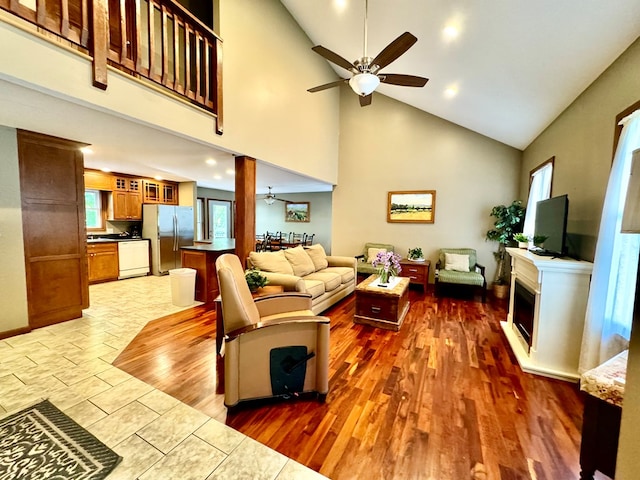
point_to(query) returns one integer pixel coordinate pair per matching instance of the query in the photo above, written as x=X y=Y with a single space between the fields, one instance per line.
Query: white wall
x=390 y=146
x=268 y=65
x=13 y=300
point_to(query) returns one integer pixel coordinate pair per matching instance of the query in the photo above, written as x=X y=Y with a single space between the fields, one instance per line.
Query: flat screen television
x=551 y=221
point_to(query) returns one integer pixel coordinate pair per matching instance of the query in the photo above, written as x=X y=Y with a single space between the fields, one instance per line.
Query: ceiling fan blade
x=394 y=50
x=366 y=100
x=403 y=80
x=333 y=57
x=327 y=85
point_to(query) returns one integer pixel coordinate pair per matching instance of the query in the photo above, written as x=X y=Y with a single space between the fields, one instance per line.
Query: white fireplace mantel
x=561 y=287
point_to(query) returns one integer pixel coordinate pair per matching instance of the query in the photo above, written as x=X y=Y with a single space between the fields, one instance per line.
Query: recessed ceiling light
x=158 y=177
x=340 y=4
x=210 y=161
x=106 y=170
x=451 y=92
x=86 y=150
x=450 y=32
x=230 y=171
x=217 y=177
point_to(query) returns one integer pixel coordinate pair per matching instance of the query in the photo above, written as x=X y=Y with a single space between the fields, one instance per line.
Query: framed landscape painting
x=417 y=206
x=297 y=212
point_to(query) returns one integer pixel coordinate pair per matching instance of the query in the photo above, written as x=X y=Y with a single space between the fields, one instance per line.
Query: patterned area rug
x=41 y=442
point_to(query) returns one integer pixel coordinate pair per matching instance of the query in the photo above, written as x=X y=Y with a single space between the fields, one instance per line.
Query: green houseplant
x=508 y=222
x=522 y=239
x=255 y=279
x=415 y=254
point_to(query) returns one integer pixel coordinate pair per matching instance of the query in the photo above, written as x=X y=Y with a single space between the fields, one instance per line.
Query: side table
x=417 y=272
x=261 y=292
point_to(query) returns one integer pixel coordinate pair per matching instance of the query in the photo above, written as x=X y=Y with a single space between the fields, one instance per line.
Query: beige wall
x=271 y=217
x=268 y=65
x=391 y=146
x=13 y=301
x=581 y=139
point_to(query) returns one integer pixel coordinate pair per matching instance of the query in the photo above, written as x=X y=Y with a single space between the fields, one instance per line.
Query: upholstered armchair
x=274 y=346
x=369 y=253
x=459 y=267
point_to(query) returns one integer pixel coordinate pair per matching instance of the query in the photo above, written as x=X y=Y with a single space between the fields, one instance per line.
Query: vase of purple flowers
x=388 y=264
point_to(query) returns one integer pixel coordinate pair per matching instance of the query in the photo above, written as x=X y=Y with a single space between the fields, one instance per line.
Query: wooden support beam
x=99 y=47
x=245 y=215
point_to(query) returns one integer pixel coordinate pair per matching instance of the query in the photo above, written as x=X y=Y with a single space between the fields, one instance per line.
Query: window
x=610 y=307
x=219 y=218
x=200 y=219
x=539 y=189
x=93 y=209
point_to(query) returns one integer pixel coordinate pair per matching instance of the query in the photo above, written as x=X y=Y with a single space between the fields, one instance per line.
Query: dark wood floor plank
x=440 y=397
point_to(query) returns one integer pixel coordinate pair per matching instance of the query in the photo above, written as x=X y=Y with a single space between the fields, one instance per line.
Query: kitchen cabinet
x=155 y=191
x=103 y=262
x=97 y=180
x=127 y=198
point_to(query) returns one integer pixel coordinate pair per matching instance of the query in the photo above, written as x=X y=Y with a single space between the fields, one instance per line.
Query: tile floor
x=159 y=437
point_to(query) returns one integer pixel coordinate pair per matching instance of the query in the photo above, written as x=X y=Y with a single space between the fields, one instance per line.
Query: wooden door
x=53 y=218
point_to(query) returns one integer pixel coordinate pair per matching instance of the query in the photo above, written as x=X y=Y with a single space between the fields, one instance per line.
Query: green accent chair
x=474 y=278
x=364 y=266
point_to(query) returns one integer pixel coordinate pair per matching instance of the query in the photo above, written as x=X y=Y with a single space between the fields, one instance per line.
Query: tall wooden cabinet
x=53 y=218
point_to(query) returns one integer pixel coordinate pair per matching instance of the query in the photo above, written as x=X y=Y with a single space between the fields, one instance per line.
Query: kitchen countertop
x=219 y=245
x=116 y=240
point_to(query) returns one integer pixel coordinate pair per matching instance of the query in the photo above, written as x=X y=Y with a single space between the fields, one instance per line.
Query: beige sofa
x=308 y=270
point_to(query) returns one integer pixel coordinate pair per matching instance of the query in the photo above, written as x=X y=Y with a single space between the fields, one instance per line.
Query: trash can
x=183 y=286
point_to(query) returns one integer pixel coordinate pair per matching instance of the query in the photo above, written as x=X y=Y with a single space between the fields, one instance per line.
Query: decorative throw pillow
x=318 y=256
x=371 y=254
x=274 y=262
x=300 y=261
x=457 y=262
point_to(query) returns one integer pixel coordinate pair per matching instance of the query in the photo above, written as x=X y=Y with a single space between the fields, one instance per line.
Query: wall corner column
x=245 y=214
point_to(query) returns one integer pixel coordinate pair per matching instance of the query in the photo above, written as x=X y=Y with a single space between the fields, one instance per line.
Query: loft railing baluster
x=84 y=29
x=64 y=18
x=165 y=59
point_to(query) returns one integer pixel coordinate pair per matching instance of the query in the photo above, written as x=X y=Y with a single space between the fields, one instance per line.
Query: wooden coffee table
x=382 y=307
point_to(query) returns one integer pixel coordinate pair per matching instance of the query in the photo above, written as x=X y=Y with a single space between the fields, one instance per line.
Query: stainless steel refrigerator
x=169 y=228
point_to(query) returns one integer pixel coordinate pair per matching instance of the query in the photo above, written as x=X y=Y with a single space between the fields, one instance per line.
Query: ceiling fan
x=366 y=70
x=270 y=198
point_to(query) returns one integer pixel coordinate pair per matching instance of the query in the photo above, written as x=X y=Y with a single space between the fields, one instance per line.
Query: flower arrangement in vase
x=388 y=264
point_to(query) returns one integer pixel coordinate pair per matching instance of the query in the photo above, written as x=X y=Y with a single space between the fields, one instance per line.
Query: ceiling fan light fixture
x=269 y=200
x=364 y=83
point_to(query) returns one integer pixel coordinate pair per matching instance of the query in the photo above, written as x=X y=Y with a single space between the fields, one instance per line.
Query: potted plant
x=255 y=279
x=538 y=240
x=509 y=220
x=522 y=239
x=415 y=254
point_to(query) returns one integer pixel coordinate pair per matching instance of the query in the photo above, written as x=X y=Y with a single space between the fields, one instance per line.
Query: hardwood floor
x=432 y=401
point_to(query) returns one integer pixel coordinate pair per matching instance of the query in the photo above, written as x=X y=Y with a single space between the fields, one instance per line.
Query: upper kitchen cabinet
x=127 y=198
x=156 y=191
x=97 y=180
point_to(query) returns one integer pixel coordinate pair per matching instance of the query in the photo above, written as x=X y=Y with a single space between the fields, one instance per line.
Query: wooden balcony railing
x=158 y=40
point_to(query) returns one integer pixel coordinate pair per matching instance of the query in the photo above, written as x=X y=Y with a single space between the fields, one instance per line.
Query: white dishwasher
x=133 y=258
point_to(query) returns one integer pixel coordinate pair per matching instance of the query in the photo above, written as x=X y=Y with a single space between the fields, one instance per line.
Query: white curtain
x=611 y=295
x=540 y=190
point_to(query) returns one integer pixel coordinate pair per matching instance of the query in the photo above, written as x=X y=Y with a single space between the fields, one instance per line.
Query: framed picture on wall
x=418 y=206
x=297 y=212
